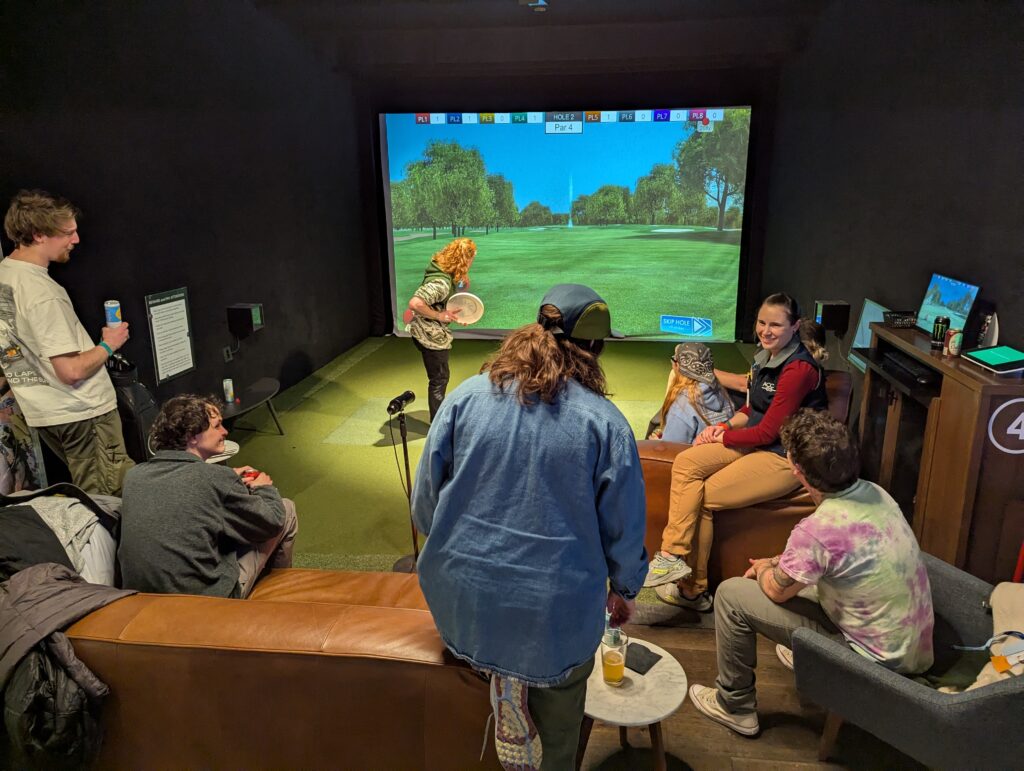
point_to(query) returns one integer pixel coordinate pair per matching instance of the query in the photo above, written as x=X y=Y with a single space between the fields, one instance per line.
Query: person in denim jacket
x=531 y=494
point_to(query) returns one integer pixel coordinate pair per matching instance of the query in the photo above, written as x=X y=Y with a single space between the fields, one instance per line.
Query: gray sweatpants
x=741 y=611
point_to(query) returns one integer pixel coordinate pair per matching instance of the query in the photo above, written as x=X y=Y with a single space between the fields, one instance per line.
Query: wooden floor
x=789 y=730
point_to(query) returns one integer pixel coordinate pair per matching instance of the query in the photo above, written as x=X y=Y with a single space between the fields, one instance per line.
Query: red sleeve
x=798 y=379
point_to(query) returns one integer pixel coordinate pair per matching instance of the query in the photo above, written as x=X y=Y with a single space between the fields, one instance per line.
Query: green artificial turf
x=337 y=462
x=642 y=271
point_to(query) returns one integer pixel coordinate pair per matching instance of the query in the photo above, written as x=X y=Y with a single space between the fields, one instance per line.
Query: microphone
x=400 y=402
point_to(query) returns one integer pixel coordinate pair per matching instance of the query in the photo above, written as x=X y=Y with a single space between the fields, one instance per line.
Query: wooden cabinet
x=950 y=451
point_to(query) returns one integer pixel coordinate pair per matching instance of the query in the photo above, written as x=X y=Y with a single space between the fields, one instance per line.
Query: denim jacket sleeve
x=433 y=471
x=622 y=516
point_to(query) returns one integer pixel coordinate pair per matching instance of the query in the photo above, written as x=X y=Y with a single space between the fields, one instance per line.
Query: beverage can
x=954 y=342
x=229 y=390
x=939 y=328
x=112 y=312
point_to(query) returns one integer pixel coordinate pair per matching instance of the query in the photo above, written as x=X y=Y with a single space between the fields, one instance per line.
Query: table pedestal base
x=657 y=742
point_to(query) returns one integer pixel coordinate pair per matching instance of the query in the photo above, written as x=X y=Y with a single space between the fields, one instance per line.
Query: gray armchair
x=967 y=730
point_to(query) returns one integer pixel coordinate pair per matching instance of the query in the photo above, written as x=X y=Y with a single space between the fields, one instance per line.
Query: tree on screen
x=405 y=207
x=579 y=210
x=607 y=205
x=535 y=214
x=450 y=187
x=504 y=211
x=715 y=162
x=424 y=191
x=655 y=194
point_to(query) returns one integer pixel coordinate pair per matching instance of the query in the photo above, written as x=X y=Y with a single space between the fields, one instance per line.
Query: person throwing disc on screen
x=447 y=273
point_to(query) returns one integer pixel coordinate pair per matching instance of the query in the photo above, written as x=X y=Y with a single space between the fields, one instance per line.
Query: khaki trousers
x=709 y=478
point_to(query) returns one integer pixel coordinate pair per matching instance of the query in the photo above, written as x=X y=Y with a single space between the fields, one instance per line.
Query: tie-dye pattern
x=862 y=555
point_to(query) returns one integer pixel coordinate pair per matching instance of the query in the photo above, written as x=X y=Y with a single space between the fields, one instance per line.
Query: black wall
x=898 y=152
x=210 y=147
x=207 y=148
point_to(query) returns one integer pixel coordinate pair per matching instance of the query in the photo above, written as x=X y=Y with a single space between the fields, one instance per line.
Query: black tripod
x=407 y=564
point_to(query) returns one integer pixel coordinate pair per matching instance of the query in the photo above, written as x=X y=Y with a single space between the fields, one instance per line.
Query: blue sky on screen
x=539 y=165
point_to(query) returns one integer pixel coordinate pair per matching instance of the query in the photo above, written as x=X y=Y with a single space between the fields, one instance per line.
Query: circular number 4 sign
x=1006 y=427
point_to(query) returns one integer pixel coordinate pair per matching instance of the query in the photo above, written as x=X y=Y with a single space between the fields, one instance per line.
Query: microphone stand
x=407 y=564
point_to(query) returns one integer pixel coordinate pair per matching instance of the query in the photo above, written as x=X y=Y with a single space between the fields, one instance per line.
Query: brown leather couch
x=318 y=669
x=755 y=531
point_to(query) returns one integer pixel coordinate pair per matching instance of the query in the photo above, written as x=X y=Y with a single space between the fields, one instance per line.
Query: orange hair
x=680 y=383
x=455 y=257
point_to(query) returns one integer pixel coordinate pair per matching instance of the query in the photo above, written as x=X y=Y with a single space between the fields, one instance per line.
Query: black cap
x=585 y=315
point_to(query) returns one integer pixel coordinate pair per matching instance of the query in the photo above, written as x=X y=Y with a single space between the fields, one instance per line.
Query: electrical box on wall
x=245 y=318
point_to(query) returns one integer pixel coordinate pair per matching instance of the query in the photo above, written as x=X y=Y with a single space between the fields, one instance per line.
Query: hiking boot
x=670 y=594
x=666 y=570
x=785 y=656
x=515 y=736
x=706 y=701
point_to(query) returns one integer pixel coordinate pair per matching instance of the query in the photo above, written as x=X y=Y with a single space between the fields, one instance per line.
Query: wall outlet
x=228 y=356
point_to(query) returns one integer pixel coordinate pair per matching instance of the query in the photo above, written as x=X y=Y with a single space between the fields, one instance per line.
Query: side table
x=641 y=700
x=260 y=392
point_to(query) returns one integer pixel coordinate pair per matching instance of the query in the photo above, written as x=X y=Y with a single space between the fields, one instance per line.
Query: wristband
x=724 y=424
x=107 y=348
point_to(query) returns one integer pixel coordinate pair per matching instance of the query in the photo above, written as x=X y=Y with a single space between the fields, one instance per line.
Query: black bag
x=51 y=721
x=135 y=405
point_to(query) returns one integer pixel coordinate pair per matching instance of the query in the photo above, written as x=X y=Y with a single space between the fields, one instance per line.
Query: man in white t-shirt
x=56 y=371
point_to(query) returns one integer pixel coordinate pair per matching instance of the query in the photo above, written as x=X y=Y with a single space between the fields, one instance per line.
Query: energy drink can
x=229 y=391
x=939 y=328
x=112 y=312
x=954 y=342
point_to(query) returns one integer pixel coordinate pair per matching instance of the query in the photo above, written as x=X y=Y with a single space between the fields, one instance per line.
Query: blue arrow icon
x=687 y=326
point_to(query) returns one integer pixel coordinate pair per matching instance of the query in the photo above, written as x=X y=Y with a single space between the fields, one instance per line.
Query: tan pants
x=275 y=552
x=709 y=478
x=93 y=450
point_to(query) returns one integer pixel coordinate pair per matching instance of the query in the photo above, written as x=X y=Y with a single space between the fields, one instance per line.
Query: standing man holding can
x=55 y=370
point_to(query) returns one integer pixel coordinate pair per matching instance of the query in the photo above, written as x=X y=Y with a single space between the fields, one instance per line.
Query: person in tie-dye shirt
x=851 y=571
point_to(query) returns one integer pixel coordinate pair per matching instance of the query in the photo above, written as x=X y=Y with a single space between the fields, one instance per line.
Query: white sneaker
x=670 y=594
x=785 y=656
x=706 y=701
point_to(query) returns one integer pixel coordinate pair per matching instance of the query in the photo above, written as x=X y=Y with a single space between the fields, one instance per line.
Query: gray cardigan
x=183 y=522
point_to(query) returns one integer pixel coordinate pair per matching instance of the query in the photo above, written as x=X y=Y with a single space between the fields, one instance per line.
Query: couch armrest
x=960 y=600
x=940 y=729
x=659 y=451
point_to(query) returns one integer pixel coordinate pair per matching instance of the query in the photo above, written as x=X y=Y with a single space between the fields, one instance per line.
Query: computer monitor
x=946 y=297
x=871 y=311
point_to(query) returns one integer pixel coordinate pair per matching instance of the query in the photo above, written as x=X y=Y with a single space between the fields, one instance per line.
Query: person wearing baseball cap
x=694 y=399
x=531 y=494
x=584 y=315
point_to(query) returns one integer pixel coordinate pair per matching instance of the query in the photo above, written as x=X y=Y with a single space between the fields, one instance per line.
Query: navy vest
x=761 y=391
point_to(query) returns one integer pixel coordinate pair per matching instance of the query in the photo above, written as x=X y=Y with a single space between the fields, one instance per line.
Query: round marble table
x=641 y=700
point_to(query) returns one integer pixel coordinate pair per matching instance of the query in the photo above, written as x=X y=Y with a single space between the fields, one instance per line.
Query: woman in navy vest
x=739 y=462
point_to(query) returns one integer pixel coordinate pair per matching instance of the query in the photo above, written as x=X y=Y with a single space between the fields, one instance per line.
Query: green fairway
x=643 y=271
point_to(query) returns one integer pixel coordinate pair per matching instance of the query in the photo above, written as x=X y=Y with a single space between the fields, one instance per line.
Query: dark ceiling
x=439 y=37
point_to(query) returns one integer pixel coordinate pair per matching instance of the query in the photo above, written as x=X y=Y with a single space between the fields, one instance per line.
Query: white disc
x=470 y=307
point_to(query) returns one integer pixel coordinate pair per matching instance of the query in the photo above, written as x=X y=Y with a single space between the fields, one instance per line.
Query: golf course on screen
x=649 y=214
